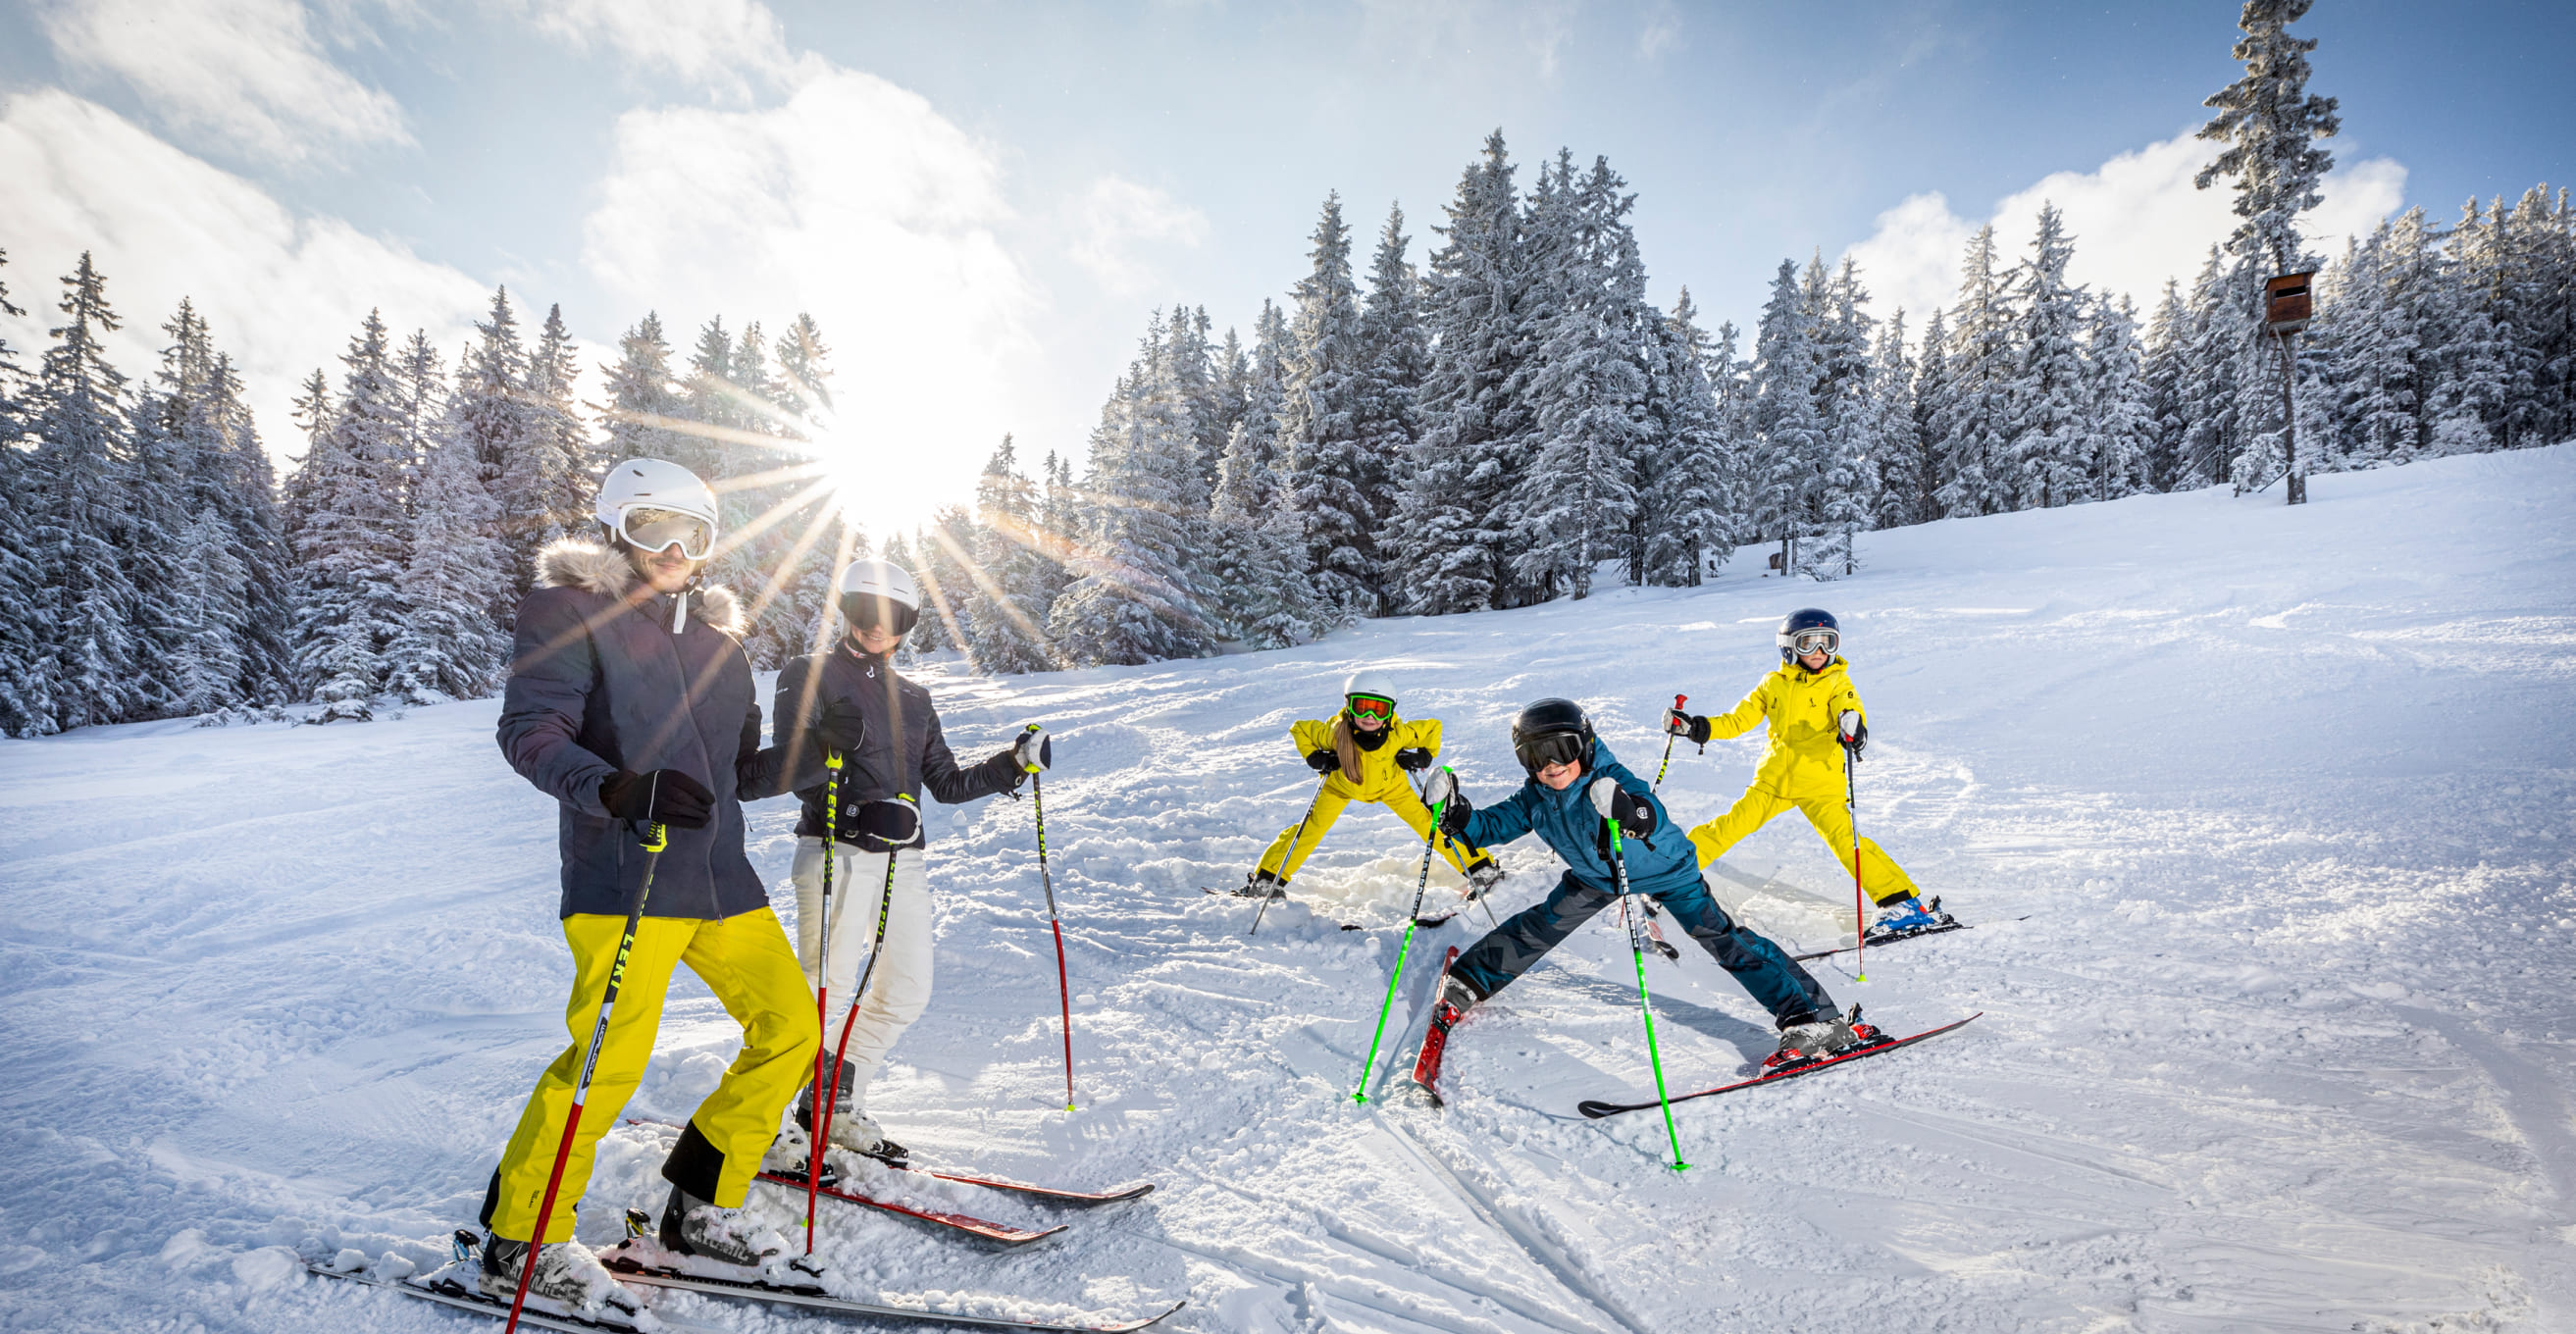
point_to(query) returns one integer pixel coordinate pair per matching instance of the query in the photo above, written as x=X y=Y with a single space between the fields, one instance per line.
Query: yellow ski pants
x=1282 y=859
x=747 y=962
x=1885 y=881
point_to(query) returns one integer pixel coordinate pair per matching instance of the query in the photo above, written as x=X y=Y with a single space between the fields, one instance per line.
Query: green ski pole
x=1637 y=952
x=1419 y=885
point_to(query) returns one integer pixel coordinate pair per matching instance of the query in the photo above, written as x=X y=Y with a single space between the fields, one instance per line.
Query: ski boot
x=1810 y=1037
x=1482 y=876
x=851 y=1128
x=567 y=1273
x=691 y=1226
x=1261 y=885
x=1907 y=916
x=1456 y=998
x=788 y=1156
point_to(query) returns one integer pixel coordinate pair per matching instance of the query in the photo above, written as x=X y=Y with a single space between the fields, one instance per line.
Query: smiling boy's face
x=1560 y=776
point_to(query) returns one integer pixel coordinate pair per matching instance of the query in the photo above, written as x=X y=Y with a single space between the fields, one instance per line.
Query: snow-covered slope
x=2264 y=815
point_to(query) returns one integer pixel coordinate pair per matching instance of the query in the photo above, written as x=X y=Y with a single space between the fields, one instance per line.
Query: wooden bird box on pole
x=2287 y=308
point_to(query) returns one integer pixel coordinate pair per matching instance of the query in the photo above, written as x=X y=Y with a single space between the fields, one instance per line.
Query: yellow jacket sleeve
x=1423 y=732
x=1311 y=735
x=1741 y=719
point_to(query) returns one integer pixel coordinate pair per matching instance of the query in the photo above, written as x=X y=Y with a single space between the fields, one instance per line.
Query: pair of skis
x=961 y=1224
x=451 y=1287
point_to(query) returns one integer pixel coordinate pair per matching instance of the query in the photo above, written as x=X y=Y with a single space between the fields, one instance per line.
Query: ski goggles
x=1549 y=749
x=1818 y=640
x=1370 y=706
x=879 y=613
x=646 y=528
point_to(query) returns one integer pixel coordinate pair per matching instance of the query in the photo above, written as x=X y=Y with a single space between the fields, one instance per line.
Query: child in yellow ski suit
x=1364 y=753
x=1804 y=701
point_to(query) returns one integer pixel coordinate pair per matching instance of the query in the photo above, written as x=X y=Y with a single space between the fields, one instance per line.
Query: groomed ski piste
x=2285 y=1042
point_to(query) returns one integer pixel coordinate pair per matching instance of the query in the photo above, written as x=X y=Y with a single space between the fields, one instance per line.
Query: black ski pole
x=1284 y=858
x=654 y=838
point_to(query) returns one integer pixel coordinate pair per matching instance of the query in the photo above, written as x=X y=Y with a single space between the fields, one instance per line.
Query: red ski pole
x=655 y=839
x=1860 y=915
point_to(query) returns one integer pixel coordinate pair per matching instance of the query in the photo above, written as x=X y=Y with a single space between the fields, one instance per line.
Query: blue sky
x=982 y=202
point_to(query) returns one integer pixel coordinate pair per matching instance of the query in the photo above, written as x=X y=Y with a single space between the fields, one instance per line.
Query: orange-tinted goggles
x=1371 y=706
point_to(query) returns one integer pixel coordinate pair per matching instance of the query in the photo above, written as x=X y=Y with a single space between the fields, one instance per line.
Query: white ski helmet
x=879 y=593
x=642 y=484
x=1369 y=683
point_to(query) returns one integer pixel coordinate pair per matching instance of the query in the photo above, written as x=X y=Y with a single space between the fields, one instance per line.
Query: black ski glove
x=664 y=796
x=1635 y=815
x=1413 y=759
x=1453 y=816
x=1690 y=726
x=883 y=826
x=1323 y=761
x=843 y=726
x=1854 y=732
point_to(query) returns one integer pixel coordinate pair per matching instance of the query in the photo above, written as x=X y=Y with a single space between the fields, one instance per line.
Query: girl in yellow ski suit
x=1361 y=772
x=1803 y=768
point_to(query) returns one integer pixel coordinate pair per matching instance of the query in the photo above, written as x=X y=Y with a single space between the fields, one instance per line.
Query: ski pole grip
x=656 y=837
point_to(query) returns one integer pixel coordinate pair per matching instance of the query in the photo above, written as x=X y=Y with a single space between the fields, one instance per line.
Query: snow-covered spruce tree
x=1325 y=461
x=562 y=466
x=1587 y=388
x=1190 y=361
x=26 y=703
x=2475 y=381
x=2047 y=439
x=1060 y=525
x=2119 y=415
x=491 y=415
x=1452 y=533
x=450 y=645
x=352 y=544
x=947 y=586
x=154 y=489
x=1844 y=494
x=210 y=587
x=228 y=470
x=2167 y=360
x=1007 y=606
x=2270 y=125
x=2218 y=356
x=1971 y=418
x=420 y=386
x=1136 y=597
x=1903 y=497
x=1731 y=377
x=1788 y=435
x=642 y=399
x=1258 y=591
x=1688 y=481
x=79 y=471
x=1395 y=355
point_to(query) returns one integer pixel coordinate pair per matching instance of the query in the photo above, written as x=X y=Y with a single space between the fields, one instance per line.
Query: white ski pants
x=899 y=986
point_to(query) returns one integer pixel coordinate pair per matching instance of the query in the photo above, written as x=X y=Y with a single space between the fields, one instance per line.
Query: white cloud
x=859 y=203
x=246 y=74
x=722 y=45
x=1116 y=222
x=2136 y=221
x=282 y=292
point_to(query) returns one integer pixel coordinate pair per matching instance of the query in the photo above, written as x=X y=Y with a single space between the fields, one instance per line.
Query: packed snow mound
x=2262 y=816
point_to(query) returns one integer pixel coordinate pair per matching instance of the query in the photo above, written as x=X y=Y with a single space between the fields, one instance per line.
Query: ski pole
x=655 y=838
x=1669 y=737
x=816 y=1123
x=1419 y=885
x=1064 y=988
x=841 y=1051
x=1293 y=841
x=1637 y=954
x=1860 y=915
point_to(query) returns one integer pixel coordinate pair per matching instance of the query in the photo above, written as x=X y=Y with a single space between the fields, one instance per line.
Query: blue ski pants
x=1513 y=948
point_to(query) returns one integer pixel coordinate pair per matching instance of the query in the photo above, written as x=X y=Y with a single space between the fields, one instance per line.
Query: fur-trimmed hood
x=575 y=563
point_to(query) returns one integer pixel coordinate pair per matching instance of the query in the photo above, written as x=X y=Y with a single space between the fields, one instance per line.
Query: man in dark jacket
x=878 y=846
x=630 y=702
x=1575 y=787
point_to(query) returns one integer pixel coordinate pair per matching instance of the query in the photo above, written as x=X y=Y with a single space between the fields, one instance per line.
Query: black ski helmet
x=1552 y=731
x=1807 y=620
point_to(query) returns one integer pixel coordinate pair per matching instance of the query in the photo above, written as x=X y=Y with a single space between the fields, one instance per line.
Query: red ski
x=1435 y=1040
x=1050 y=1194
x=1596 y=1109
x=966 y=1223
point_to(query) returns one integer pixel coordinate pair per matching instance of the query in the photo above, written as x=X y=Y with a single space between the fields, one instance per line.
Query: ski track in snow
x=2285 y=1043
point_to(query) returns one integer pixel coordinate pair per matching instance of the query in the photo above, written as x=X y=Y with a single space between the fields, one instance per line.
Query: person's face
x=877 y=639
x=1815 y=662
x=667 y=571
x=1368 y=722
x=1559 y=777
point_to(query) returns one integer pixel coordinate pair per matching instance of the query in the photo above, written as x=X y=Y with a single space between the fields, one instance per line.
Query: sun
x=887 y=486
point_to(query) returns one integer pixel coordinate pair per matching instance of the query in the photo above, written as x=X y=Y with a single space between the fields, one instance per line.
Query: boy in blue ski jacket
x=1575 y=787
